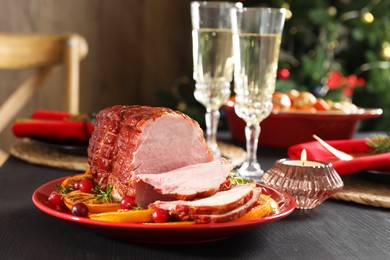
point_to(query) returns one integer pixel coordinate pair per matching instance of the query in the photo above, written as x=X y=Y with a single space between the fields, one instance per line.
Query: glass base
x=215 y=150
x=251 y=171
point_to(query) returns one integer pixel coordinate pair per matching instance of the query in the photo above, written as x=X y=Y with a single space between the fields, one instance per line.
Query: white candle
x=303 y=161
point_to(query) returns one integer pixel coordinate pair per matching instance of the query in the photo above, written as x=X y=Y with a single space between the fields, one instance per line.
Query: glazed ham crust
x=131 y=140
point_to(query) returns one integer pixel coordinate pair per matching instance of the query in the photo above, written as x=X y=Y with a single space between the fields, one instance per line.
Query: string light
x=288 y=14
x=367 y=17
x=288 y=11
x=364 y=13
x=332 y=11
x=385 y=53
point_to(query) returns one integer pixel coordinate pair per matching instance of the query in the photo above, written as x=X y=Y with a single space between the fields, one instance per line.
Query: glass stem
x=252 y=133
x=212 y=119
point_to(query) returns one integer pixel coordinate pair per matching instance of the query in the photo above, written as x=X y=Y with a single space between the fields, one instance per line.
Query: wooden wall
x=135 y=48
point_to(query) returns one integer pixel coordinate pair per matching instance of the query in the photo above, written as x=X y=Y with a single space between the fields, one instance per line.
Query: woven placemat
x=37 y=153
x=363 y=191
x=235 y=154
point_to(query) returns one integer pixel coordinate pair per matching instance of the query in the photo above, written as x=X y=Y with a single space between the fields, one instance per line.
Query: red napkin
x=50 y=115
x=362 y=161
x=55 y=125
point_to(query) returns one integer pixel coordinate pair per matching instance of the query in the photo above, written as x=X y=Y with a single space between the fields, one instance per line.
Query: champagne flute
x=256 y=43
x=213 y=61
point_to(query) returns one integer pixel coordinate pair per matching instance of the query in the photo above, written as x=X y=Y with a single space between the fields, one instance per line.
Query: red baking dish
x=284 y=128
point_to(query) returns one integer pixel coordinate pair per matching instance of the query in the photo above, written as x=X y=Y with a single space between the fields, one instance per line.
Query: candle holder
x=309 y=182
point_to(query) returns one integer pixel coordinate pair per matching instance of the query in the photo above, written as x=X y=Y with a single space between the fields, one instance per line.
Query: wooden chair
x=41 y=52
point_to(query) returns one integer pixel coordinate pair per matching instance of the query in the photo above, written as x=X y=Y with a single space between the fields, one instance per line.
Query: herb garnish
x=234 y=180
x=63 y=190
x=103 y=195
x=379 y=144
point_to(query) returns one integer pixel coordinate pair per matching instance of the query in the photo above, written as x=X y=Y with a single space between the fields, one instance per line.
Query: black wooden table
x=334 y=230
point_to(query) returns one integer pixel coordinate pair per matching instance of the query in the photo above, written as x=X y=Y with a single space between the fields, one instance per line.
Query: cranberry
x=160 y=216
x=76 y=185
x=128 y=202
x=79 y=209
x=55 y=198
x=86 y=186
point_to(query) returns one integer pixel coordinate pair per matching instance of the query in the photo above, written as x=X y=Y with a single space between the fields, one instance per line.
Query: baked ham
x=132 y=140
x=186 y=183
x=221 y=207
x=160 y=157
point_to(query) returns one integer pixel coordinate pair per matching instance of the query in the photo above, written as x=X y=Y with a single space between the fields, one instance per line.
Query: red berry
x=86 y=186
x=160 y=216
x=76 y=185
x=79 y=209
x=55 y=198
x=128 y=202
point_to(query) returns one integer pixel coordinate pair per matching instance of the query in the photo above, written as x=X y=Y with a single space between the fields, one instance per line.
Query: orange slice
x=91 y=200
x=68 y=182
x=267 y=206
x=129 y=216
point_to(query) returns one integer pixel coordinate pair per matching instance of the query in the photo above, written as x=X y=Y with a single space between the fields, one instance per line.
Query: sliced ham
x=186 y=183
x=132 y=140
x=219 y=203
x=230 y=215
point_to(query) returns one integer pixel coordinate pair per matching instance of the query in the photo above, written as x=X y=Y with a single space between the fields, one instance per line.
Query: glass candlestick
x=309 y=182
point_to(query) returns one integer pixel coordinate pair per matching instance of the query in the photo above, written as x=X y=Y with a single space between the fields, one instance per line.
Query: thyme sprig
x=103 y=195
x=63 y=190
x=233 y=180
x=237 y=180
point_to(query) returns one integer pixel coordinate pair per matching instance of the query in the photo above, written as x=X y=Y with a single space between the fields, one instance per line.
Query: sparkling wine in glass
x=256 y=43
x=213 y=61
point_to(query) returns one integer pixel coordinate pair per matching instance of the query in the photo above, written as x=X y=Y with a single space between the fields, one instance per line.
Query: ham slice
x=186 y=183
x=219 y=203
x=132 y=140
x=230 y=215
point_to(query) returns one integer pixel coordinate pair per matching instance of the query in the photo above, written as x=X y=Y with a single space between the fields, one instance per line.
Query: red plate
x=165 y=234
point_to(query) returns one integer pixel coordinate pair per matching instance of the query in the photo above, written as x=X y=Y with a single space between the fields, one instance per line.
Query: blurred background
x=136 y=47
x=140 y=51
